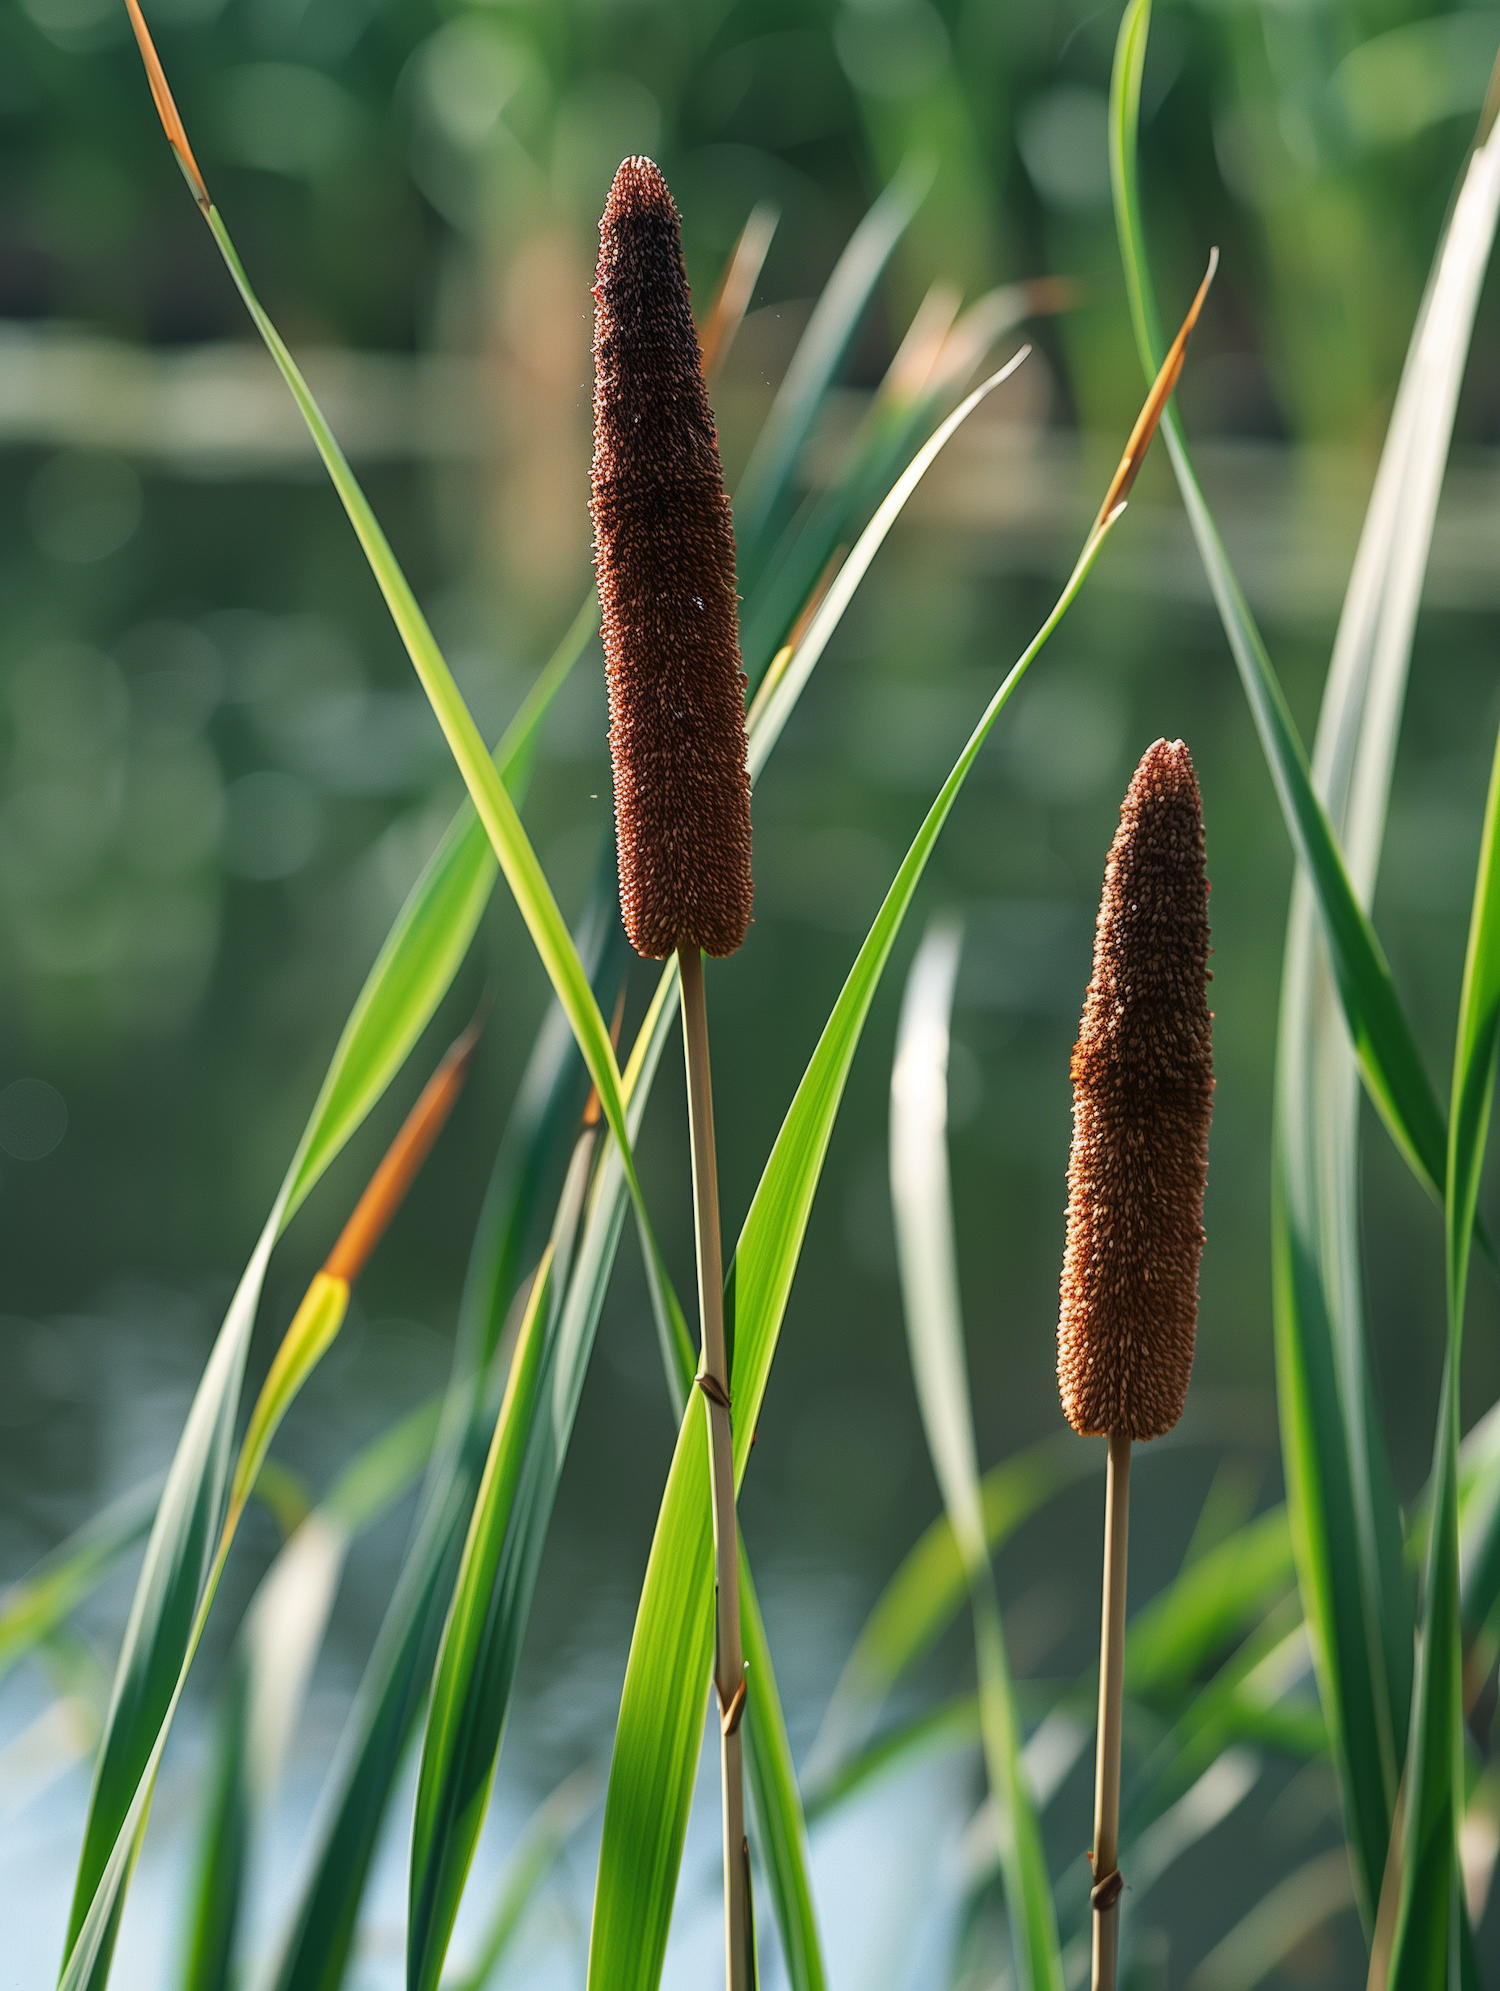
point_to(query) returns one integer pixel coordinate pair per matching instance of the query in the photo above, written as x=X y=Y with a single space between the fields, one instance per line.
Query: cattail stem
x=713 y=1380
x=1107 y=1882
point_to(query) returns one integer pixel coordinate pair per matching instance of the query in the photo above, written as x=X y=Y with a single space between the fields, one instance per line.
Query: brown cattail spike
x=664 y=550
x=1142 y=1096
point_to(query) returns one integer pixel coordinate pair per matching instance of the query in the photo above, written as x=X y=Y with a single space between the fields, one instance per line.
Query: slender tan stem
x=1107 y=1882
x=729 y=1664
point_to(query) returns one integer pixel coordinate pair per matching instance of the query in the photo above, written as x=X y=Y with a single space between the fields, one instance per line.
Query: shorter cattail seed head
x=664 y=554
x=1142 y=1099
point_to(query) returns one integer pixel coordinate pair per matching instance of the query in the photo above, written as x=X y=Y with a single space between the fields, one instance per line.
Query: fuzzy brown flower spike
x=1142 y=1097
x=664 y=550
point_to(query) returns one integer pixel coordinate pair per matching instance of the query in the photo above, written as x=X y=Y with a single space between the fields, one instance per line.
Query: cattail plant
x=1142 y=1097
x=664 y=553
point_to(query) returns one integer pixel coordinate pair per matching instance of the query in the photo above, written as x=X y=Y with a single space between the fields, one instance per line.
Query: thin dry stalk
x=737 y=286
x=1106 y=1858
x=1156 y=401
x=713 y=1380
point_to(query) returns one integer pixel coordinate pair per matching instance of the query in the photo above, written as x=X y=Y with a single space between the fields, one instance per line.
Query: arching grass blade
x=1421 y=1953
x=927 y=1255
x=269 y=1673
x=832 y=326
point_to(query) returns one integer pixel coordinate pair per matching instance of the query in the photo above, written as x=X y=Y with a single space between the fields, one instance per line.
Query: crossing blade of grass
x=661 y=1710
x=1293 y=1910
x=819 y=352
x=198 y=1514
x=1209 y=1604
x=1420 y=1954
x=927 y=1256
x=269 y=1674
x=551 y=1097
x=491 y=799
x=459 y=1767
x=781 y=1827
x=536 y=1853
x=1479 y=1525
x=471 y=1686
x=51 y=1592
x=780 y=689
x=907 y=401
x=437 y=1883
x=954 y=1725
x=926 y=1593
x=737 y=286
x=1388 y=1057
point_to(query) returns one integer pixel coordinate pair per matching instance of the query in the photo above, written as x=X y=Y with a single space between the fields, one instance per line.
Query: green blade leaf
x=450 y=1805
x=781 y=1828
x=822 y=346
x=50 y=1593
x=1388 y=1057
x=887 y=436
x=487 y=791
x=927 y=1255
x=1209 y=1604
x=279 y=1640
x=551 y=1096
x=927 y=1592
x=1479 y=1524
x=1279 y=1921
x=661 y=1710
x=535 y=1854
x=1420 y=1952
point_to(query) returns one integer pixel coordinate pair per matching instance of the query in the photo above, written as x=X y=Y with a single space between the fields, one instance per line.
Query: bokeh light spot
x=33 y=1119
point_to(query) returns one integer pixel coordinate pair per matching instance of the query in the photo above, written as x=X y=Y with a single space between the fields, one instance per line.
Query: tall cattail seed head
x=1143 y=1086
x=664 y=552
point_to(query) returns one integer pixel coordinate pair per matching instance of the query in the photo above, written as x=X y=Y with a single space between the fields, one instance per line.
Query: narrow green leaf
x=781 y=1828
x=1209 y=1604
x=535 y=1855
x=661 y=1710
x=927 y=1592
x=1420 y=1953
x=1479 y=1523
x=886 y=439
x=1389 y=1060
x=448 y=1804
x=51 y=1592
x=456 y=1780
x=778 y=694
x=426 y=946
x=954 y=1725
x=1279 y=1921
x=832 y=326
x=272 y=1664
x=927 y=1255
x=487 y=791
x=316 y=1948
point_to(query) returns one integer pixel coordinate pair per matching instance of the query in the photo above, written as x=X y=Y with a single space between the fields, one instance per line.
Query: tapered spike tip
x=1142 y=1098
x=664 y=553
